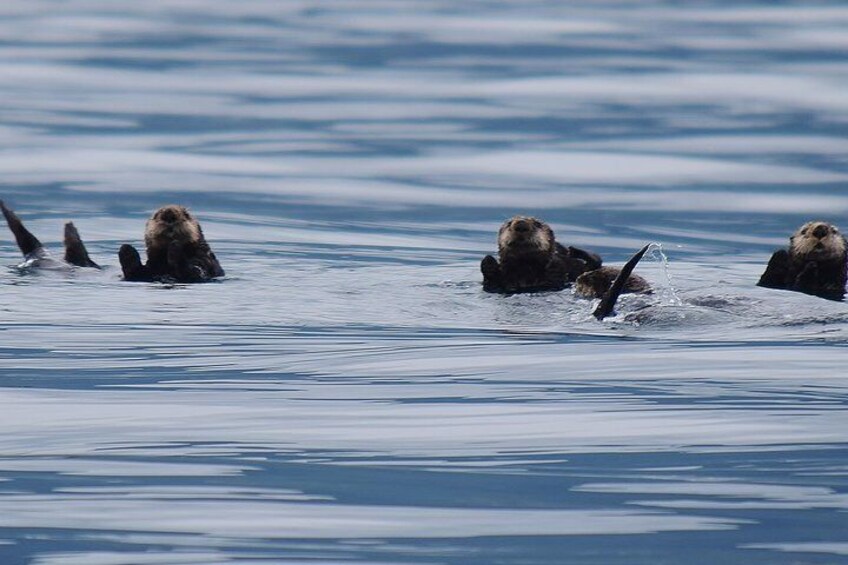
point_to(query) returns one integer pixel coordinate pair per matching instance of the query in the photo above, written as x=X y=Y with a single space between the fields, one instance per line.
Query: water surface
x=348 y=394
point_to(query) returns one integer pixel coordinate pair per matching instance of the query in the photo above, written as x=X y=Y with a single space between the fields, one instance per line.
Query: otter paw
x=590 y=260
x=129 y=258
x=777 y=271
x=131 y=264
x=489 y=266
x=808 y=278
x=176 y=254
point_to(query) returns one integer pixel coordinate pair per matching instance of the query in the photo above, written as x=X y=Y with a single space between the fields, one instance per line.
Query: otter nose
x=521 y=226
x=168 y=216
x=820 y=231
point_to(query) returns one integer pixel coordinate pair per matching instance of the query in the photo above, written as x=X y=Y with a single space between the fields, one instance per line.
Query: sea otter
x=177 y=251
x=531 y=259
x=815 y=262
x=35 y=255
x=607 y=304
x=594 y=284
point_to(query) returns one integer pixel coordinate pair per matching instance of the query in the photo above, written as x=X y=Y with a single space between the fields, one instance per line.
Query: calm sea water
x=348 y=394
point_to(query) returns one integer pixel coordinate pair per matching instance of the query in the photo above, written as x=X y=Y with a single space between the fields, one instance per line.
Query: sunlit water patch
x=348 y=394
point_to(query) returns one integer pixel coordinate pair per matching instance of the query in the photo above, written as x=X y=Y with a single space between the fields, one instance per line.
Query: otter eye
x=537 y=223
x=804 y=231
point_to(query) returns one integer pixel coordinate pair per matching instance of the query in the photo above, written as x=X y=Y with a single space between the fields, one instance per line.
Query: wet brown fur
x=806 y=245
x=530 y=259
x=595 y=284
x=177 y=251
x=168 y=225
x=816 y=262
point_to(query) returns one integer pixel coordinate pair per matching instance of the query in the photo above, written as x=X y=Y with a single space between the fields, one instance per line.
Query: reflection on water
x=348 y=393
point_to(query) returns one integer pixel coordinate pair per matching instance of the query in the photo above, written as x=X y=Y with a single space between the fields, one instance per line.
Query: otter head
x=525 y=235
x=170 y=223
x=818 y=241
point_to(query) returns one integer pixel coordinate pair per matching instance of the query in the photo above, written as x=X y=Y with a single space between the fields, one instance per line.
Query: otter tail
x=27 y=242
x=75 y=252
x=607 y=304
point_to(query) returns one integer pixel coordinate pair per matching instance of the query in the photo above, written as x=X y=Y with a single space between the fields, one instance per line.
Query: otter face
x=170 y=223
x=523 y=233
x=817 y=240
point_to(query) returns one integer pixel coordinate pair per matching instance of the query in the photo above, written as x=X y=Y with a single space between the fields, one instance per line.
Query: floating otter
x=814 y=263
x=595 y=284
x=35 y=255
x=609 y=298
x=531 y=259
x=177 y=251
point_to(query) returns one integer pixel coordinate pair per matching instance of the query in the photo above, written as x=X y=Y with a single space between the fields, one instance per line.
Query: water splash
x=667 y=294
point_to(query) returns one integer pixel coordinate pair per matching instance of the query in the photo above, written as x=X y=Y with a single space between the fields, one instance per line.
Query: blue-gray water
x=348 y=394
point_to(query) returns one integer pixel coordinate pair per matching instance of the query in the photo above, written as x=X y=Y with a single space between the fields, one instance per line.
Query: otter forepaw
x=592 y=260
x=777 y=271
x=489 y=266
x=808 y=279
x=176 y=255
x=131 y=264
x=492 y=276
x=128 y=255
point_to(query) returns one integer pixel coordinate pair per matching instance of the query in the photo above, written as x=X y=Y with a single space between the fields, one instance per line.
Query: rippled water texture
x=348 y=394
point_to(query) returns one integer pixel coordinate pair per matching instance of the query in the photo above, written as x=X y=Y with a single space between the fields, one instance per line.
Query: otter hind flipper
x=27 y=243
x=607 y=303
x=75 y=251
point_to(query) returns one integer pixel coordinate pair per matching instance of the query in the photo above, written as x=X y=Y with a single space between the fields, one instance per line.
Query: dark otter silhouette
x=177 y=251
x=814 y=263
x=595 y=284
x=35 y=254
x=531 y=260
x=608 y=300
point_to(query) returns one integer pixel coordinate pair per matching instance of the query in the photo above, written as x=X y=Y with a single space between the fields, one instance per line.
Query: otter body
x=37 y=256
x=595 y=284
x=531 y=260
x=814 y=263
x=177 y=251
